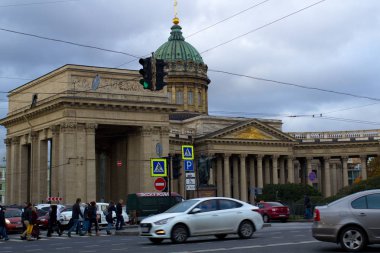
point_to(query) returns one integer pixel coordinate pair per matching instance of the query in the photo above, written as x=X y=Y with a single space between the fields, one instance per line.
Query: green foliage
x=369 y=184
x=288 y=192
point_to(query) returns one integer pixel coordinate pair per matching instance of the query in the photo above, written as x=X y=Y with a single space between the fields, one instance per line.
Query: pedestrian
x=86 y=220
x=3 y=228
x=27 y=216
x=76 y=213
x=92 y=214
x=119 y=215
x=307 y=204
x=111 y=208
x=53 y=224
x=35 y=229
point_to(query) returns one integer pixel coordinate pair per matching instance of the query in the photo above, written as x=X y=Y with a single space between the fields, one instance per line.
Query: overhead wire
x=37 y=3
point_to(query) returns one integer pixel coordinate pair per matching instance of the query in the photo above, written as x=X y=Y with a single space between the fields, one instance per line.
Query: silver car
x=203 y=216
x=352 y=221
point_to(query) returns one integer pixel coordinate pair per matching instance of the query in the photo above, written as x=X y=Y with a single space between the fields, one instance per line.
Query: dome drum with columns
x=187 y=81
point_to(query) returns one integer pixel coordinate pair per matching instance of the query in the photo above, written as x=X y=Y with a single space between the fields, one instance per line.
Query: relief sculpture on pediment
x=252 y=133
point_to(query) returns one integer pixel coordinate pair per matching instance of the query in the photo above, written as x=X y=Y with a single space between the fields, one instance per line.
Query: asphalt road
x=280 y=237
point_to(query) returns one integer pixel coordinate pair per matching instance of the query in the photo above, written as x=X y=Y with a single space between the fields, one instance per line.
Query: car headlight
x=163 y=222
x=7 y=221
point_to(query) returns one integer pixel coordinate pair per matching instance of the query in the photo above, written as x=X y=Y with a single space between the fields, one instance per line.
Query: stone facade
x=76 y=141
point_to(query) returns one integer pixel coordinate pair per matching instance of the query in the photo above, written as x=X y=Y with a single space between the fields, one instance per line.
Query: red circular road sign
x=160 y=184
x=119 y=163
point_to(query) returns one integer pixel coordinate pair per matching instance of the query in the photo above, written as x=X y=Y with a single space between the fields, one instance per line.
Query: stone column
x=334 y=179
x=243 y=178
x=219 y=176
x=43 y=169
x=327 y=181
x=282 y=171
x=290 y=169
x=267 y=170
x=24 y=172
x=54 y=175
x=226 y=176
x=235 y=176
x=34 y=170
x=363 y=161
x=345 y=170
x=9 y=173
x=275 y=169
x=260 y=180
x=309 y=169
x=67 y=164
x=90 y=162
x=252 y=177
x=146 y=151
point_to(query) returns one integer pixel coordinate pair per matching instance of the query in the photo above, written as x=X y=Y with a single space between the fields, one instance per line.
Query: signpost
x=160 y=184
x=312 y=176
x=187 y=152
x=158 y=167
x=189 y=165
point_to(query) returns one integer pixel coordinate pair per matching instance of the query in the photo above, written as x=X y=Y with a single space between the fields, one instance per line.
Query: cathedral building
x=90 y=132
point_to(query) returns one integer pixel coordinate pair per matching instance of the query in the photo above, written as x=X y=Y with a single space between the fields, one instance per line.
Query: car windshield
x=182 y=206
x=12 y=213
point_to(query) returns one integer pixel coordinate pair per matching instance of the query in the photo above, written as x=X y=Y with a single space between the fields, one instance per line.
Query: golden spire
x=175 y=19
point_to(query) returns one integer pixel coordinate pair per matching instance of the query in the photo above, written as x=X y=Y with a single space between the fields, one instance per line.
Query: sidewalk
x=134 y=229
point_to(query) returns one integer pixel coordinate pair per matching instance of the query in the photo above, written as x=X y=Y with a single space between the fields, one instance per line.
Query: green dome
x=177 y=48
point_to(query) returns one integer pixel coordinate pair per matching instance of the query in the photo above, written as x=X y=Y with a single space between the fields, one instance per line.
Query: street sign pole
x=170 y=164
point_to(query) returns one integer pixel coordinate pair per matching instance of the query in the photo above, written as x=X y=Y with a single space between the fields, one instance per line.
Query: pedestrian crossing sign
x=158 y=167
x=187 y=152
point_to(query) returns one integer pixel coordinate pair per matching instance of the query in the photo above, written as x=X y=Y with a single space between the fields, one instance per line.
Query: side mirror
x=196 y=210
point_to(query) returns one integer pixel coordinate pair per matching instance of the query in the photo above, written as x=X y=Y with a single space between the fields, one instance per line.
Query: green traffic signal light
x=146 y=73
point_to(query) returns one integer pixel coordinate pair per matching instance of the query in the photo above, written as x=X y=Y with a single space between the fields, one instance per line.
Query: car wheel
x=246 y=229
x=179 y=234
x=156 y=240
x=352 y=239
x=266 y=218
x=221 y=236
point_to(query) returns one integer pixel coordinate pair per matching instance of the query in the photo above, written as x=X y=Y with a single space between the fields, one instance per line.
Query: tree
x=374 y=167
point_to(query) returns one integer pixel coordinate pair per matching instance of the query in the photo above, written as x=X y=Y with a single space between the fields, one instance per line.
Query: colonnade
x=237 y=175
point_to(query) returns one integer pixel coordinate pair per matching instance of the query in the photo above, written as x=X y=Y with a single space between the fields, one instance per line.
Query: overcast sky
x=333 y=45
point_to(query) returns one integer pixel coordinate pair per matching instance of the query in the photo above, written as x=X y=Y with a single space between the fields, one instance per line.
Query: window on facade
x=1 y=198
x=1 y=187
x=1 y=175
x=190 y=99
x=170 y=97
x=179 y=98
x=199 y=98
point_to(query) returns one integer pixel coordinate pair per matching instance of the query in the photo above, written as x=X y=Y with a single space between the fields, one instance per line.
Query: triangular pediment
x=250 y=130
x=249 y=133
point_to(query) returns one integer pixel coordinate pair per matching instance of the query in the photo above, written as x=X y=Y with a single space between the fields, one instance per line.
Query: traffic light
x=176 y=166
x=160 y=74
x=146 y=73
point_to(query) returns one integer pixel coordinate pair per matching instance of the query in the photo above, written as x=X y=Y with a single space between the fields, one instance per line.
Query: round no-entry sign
x=160 y=184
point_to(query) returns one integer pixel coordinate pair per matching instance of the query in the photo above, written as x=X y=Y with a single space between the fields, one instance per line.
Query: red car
x=273 y=211
x=13 y=219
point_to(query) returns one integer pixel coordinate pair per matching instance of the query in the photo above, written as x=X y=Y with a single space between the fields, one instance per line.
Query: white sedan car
x=203 y=216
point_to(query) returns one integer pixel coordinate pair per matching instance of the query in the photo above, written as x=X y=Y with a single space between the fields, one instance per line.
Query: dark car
x=13 y=219
x=43 y=220
x=273 y=211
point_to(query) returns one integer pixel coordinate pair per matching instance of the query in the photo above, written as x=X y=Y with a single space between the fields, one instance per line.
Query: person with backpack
x=108 y=213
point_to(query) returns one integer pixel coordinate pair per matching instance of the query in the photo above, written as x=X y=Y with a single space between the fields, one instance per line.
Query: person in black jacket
x=111 y=208
x=27 y=216
x=92 y=214
x=75 y=216
x=3 y=229
x=119 y=215
x=53 y=224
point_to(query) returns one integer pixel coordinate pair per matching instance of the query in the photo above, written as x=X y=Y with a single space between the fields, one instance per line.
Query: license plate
x=145 y=229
